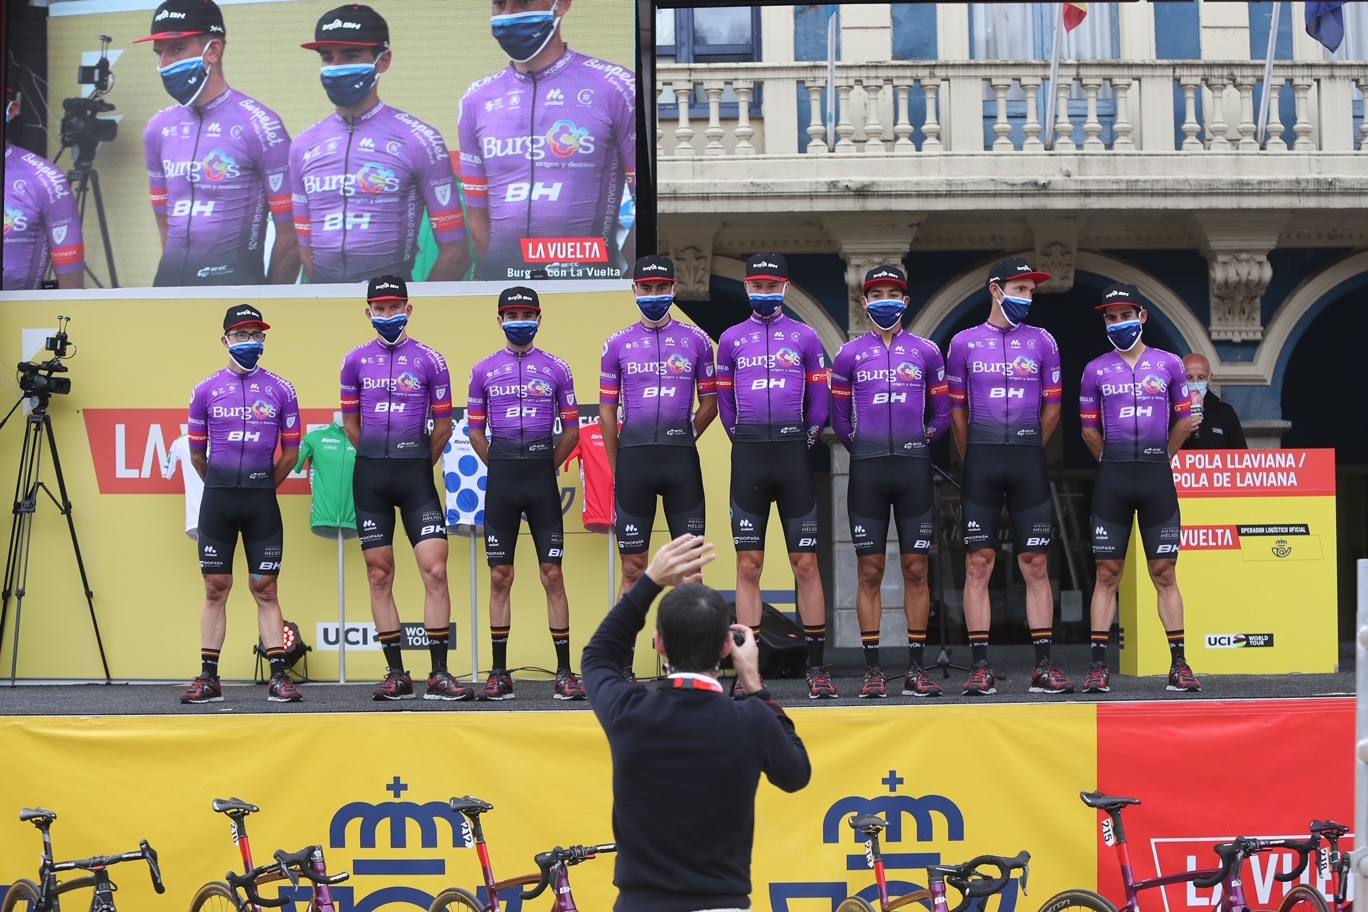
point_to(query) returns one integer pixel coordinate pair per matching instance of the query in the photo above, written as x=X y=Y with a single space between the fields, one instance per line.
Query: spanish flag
x=1074 y=14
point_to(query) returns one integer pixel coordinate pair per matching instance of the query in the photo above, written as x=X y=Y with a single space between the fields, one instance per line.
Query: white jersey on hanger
x=179 y=454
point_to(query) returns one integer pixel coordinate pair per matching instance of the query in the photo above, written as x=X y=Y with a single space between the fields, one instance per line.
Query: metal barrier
x=1360 y=866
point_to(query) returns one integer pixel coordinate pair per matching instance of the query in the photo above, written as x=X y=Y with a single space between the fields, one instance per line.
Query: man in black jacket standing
x=1220 y=427
x=686 y=759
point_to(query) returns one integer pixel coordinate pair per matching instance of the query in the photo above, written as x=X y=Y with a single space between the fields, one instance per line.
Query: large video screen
x=297 y=141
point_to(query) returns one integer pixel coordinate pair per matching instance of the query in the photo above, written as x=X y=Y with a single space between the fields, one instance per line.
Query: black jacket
x=1220 y=428
x=686 y=766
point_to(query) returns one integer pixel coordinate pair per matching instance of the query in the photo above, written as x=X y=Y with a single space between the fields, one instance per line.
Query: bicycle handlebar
x=974 y=883
x=297 y=864
x=145 y=853
x=1233 y=854
x=548 y=862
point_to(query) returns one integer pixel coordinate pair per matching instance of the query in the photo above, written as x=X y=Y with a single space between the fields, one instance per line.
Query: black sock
x=916 y=647
x=815 y=637
x=498 y=641
x=276 y=656
x=1175 y=641
x=437 y=647
x=1041 y=640
x=869 y=640
x=1100 y=638
x=209 y=662
x=978 y=645
x=560 y=638
x=389 y=643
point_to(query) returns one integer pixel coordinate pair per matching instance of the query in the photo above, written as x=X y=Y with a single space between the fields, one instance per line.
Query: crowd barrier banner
x=1257 y=567
x=137 y=362
x=371 y=789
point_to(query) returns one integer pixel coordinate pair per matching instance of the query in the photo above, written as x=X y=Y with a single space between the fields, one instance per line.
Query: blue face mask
x=390 y=328
x=524 y=35
x=520 y=332
x=1198 y=386
x=886 y=313
x=1015 y=309
x=246 y=354
x=654 y=307
x=1123 y=336
x=184 y=80
x=348 y=84
x=766 y=304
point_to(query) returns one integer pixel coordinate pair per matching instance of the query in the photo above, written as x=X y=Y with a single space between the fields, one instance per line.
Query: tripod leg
x=75 y=543
x=18 y=527
x=104 y=232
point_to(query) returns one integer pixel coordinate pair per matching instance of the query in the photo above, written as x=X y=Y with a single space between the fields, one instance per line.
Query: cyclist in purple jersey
x=650 y=373
x=1004 y=393
x=238 y=416
x=1137 y=412
x=889 y=401
x=517 y=396
x=774 y=397
x=362 y=177
x=216 y=162
x=42 y=226
x=547 y=145
x=391 y=388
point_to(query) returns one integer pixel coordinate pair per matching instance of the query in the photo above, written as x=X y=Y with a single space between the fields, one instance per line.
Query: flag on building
x=1074 y=14
x=1325 y=22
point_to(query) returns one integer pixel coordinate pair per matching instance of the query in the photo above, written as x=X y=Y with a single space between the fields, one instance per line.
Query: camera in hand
x=40 y=379
x=82 y=127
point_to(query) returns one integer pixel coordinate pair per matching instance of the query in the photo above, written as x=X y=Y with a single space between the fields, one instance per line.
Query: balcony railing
x=946 y=107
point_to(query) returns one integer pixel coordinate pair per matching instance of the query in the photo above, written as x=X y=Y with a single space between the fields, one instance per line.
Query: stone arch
x=946 y=303
x=1296 y=313
x=808 y=308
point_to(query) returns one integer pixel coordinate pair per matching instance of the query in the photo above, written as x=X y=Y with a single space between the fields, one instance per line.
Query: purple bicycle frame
x=322 y=895
x=1232 y=899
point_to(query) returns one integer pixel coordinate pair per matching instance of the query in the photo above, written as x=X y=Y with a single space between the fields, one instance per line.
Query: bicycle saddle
x=39 y=816
x=1328 y=828
x=867 y=823
x=471 y=807
x=1105 y=802
x=233 y=807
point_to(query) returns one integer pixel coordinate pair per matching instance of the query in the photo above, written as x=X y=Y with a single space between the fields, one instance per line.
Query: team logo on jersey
x=1154 y=385
x=538 y=387
x=566 y=138
x=1023 y=366
x=276 y=181
x=376 y=178
x=678 y=364
x=15 y=220
x=59 y=234
x=907 y=372
x=262 y=410
x=407 y=383
x=443 y=194
x=218 y=165
x=787 y=357
x=585 y=97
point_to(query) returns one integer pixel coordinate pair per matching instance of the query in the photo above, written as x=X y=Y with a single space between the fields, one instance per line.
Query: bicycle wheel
x=1303 y=898
x=22 y=896
x=215 y=896
x=454 y=899
x=1078 y=900
x=855 y=904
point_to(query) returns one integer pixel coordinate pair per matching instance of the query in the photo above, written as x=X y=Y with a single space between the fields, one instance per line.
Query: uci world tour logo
x=907 y=371
x=1154 y=385
x=1025 y=367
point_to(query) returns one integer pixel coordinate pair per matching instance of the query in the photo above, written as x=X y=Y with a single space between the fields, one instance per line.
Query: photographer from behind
x=686 y=759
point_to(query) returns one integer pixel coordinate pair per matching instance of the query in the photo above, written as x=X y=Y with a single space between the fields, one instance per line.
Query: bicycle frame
x=1335 y=864
x=935 y=892
x=267 y=874
x=1114 y=834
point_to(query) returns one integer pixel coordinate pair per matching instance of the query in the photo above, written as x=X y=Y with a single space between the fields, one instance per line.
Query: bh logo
x=1154 y=385
x=565 y=138
x=678 y=364
x=262 y=410
x=916 y=826
x=373 y=177
x=218 y=165
x=1024 y=367
x=787 y=357
x=538 y=387
x=407 y=383
x=907 y=372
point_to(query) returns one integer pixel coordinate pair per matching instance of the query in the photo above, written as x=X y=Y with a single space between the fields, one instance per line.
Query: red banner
x=128 y=447
x=1208 y=772
x=564 y=250
x=1254 y=473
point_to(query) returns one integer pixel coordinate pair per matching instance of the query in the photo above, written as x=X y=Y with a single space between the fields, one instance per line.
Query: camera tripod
x=83 y=178
x=38 y=425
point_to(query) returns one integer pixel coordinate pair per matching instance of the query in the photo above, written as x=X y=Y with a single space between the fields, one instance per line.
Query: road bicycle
x=1333 y=866
x=1232 y=855
x=27 y=896
x=968 y=878
x=553 y=870
x=239 y=892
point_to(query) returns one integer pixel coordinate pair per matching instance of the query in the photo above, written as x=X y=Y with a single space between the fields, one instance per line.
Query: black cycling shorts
x=178 y=268
x=885 y=482
x=1124 y=489
x=517 y=487
x=769 y=472
x=645 y=473
x=381 y=485
x=253 y=513
x=993 y=472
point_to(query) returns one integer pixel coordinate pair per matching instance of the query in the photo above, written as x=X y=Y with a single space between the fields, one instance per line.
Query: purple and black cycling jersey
x=241 y=418
x=359 y=190
x=772 y=380
x=214 y=173
x=1004 y=377
x=518 y=398
x=395 y=388
x=652 y=373
x=1135 y=407
x=885 y=398
x=41 y=221
x=547 y=154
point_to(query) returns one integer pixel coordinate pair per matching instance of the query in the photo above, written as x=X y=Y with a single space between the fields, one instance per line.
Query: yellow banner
x=371 y=790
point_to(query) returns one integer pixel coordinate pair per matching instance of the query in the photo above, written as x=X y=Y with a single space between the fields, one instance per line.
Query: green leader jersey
x=330 y=476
